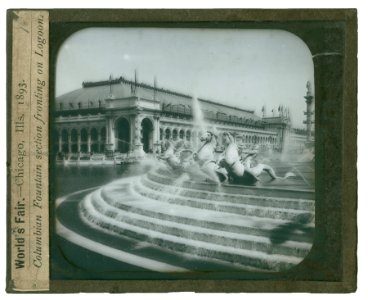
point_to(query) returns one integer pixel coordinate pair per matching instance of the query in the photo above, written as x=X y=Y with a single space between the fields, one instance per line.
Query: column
x=69 y=141
x=89 y=140
x=79 y=140
x=132 y=134
x=156 y=134
x=60 y=141
x=137 y=135
x=110 y=138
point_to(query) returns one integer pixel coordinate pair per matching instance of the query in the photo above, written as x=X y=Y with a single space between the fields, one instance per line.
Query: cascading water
x=290 y=153
x=175 y=189
x=286 y=148
x=198 y=118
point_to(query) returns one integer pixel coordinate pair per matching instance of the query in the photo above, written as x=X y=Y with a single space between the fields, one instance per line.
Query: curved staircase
x=252 y=228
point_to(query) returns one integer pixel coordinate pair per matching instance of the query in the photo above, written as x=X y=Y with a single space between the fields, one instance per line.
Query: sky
x=240 y=67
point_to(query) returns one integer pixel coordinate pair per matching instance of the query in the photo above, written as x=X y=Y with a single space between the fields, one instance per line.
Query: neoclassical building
x=125 y=116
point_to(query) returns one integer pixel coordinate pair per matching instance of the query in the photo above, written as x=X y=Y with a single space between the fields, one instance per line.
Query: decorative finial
x=309 y=92
x=110 y=79
x=135 y=82
x=263 y=111
x=154 y=87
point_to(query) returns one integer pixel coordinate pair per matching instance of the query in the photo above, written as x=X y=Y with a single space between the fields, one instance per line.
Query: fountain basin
x=248 y=228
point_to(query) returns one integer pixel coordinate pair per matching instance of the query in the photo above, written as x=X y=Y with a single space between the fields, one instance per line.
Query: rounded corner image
x=181 y=150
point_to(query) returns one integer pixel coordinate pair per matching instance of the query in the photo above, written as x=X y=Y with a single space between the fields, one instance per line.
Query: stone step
x=223 y=206
x=230 y=198
x=277 y=230
x=122 y=248
x=167 y=178
x=251 y=258
x=216 y=236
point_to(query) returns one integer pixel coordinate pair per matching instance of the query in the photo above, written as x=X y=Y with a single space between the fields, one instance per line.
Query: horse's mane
x=232 y=139
x=232 y=142
x=213 y=140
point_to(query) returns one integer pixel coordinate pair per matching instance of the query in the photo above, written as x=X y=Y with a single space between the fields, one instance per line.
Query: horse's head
x=208 y=138
x=208 y=147
x=228 y=138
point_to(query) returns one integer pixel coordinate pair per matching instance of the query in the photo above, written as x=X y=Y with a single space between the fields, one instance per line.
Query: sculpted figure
x=205 y=158
x=243 y=172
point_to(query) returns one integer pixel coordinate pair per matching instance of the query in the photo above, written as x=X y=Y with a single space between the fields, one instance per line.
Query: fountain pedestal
x=138 y=151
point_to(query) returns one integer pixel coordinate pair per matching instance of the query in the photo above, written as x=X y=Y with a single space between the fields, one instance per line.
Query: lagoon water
x=69 y=179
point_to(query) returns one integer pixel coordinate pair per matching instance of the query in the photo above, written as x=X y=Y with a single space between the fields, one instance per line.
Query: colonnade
x=81 y=139
x=191 y=135
x=141 y=132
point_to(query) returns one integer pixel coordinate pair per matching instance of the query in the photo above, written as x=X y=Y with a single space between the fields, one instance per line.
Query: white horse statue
x=205 y=158
x=243 y=172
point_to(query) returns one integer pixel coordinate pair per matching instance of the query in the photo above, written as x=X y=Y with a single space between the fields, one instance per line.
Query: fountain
x=198 y=118
x=193 y=221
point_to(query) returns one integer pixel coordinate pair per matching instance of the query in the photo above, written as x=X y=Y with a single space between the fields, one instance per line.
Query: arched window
x=147 y=135
x=122 y=135
x=84 y=135
x=103 y=134
x=64 y=136
x=94 y=135
x=74 y=136
x=94 y=140
x=175 y=134
x=181 y=134
x=167 y=133
x=188 y=135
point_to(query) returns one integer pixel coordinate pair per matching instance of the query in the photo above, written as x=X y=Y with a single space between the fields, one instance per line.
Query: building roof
x=276 y=119
x=93 y=95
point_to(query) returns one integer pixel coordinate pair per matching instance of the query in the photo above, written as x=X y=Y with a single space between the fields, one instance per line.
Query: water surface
x=68 y=179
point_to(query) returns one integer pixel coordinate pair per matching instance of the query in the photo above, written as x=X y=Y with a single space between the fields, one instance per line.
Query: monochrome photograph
x=182 y=152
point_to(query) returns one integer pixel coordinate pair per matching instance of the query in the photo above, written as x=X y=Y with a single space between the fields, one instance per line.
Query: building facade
x=124 y=116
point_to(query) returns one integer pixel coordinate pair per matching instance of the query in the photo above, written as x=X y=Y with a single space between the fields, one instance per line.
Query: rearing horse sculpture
x=242 y=172
x=230 y=160
x=205 y=158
